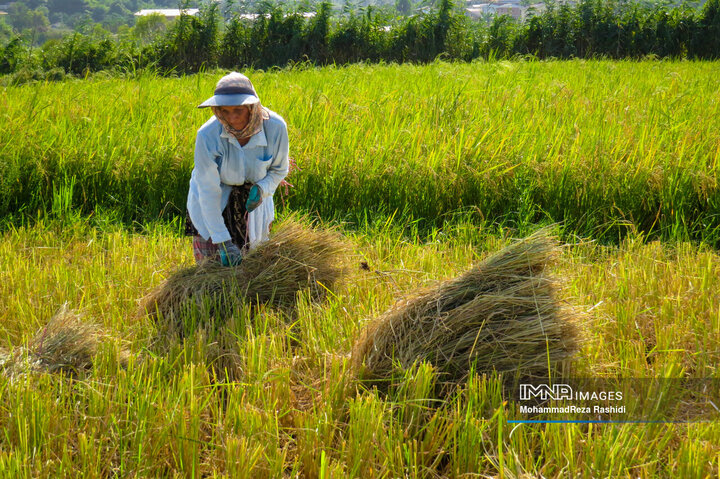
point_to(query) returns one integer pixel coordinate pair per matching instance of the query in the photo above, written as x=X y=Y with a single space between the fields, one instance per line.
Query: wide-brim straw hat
x=234 y=89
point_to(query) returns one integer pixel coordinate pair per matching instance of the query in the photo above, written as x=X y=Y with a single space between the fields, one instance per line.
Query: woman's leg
x=205 y=250
x=235 y=218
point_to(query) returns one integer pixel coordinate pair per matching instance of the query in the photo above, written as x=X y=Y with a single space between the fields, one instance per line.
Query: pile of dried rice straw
x=501 y=315
x=295 y=258
x=67 y=344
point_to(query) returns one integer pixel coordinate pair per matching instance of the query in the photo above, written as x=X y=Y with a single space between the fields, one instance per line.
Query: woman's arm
x=207 y=176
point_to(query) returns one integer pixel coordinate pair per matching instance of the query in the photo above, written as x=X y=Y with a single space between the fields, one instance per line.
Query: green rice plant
x=604 y=148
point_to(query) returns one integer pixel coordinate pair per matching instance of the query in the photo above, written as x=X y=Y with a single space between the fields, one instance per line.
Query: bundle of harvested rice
x=295 y=258
x=501 y=315
x=67 y=344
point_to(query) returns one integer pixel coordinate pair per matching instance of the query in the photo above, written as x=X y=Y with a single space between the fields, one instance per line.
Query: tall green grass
x=293 y=409
x=605 y=148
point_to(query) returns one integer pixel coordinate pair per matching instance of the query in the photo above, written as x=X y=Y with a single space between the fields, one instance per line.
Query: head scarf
x=258 y=113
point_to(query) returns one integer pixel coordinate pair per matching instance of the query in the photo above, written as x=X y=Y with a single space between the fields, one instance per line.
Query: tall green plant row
x=605 y=148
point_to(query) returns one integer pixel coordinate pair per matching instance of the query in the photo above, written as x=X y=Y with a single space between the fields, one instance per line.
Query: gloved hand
x=230 y=254
x=254 y=198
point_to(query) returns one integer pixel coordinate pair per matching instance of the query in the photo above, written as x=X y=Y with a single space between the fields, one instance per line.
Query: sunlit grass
x=293 y=406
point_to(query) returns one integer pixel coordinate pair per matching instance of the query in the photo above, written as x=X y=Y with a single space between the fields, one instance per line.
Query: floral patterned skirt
x=234 y=217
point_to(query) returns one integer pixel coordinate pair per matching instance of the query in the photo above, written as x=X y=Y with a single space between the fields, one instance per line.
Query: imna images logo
x=545 y=392
x=558 y=392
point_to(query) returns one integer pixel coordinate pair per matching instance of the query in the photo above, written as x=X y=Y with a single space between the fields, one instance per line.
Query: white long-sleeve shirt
x=221 y=162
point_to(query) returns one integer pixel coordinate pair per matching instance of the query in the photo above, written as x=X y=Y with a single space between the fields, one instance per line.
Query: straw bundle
x=500 y=315
x=295 y=258
x=67 y=344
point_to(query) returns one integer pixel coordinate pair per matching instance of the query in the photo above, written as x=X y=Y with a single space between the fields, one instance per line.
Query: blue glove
x=254 y=198
x=230 y=254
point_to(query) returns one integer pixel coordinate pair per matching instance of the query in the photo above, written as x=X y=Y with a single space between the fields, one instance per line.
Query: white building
x=535 y=9
x=515 y=11
x=255 y=16
x=248 y=16
x=478 y=11
x=169 y=13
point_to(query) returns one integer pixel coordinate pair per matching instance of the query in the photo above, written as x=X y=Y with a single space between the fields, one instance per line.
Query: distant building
x=254 y=16
x=478 y=11
x=248 y=16
x=515 y=11
x=169 y=13
x=534 y=9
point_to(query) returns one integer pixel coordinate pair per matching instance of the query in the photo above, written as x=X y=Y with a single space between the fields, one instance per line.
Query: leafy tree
x=357 y=38
x=5 y=31
x=149 y=27
x=317 y=35
x=99 y=12
x=10 y=56
x=615 y=28
x=33 y=4
x=706 y=38
x=445 y=21
x=234 y=44
x=68 y=6
x=404 y=7
x=276 y=38
x=22 y=18
x=191 y=42
x=501 y=35
x=78 y=53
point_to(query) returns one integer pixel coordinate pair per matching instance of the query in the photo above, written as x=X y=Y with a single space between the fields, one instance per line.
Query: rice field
x=604 y=148
x=294 y=409
x=425 y=171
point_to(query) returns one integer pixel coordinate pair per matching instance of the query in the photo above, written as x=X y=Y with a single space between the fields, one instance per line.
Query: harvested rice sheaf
x=295 y=258
x=502 y=315
x=67 y=344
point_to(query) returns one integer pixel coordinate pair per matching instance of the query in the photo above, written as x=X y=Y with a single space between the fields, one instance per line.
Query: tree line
x=277 y=37
x=46 y=19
